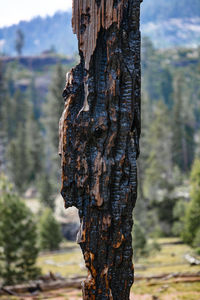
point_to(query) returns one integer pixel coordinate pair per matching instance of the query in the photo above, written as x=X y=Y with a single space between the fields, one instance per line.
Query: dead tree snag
x=99 y=141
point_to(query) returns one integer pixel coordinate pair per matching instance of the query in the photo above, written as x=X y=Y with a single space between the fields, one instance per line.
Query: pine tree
x=34 y=99
x=52 y=112
x=18 y=159
x=158 y=182
x=54 y=106
x=3 y=105
x=192 y=224
x=183 y=130
x=46 y=191
x=2 y=92
x=158 y=172
x=18 y=238
x=50 y=231
x=34 y=148
x=139 y=241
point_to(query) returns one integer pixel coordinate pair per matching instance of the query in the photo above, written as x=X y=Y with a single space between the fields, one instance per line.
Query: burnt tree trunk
x=99 y=141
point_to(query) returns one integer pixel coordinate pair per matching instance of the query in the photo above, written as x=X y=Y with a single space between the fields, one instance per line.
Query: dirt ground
x=73 y=294
x=66 y=294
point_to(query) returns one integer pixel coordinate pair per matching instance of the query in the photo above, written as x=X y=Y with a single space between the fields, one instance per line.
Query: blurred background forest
x=34 y=58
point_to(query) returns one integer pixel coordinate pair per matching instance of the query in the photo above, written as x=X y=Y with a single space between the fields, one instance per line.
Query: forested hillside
x=154 y=10
x=170 y=135
x=41 y=34
x=168 y=23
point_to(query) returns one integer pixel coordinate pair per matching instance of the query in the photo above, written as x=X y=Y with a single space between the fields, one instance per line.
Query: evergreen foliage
x=50 y=231
x=169 y=142
x=159 y=162
x=192 y=224
x=178 y=217
x=139 y=241
x=46 y=191
x=183 y=130
x=54 y=106
x=52 y=110
x=35 y=148
x=18 y=160
x=18 y=238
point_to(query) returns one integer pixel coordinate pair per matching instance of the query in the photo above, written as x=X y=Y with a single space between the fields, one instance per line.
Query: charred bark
x=99 y=141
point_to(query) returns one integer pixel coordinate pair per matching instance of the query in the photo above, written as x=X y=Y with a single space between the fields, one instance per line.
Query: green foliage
x=25 y=141
x=178 y=217
x=196 y=241
x=142 y=247
x=46 y=191
x=18 y=238
x=139 y=241
x=34 y=148
x=53 y=109
x=170 y=126
x=159 y=166
x=183 y=130
x=50 y=231
x=54 y=106
x=18 y=160
x=192 y=223
x=169 y=142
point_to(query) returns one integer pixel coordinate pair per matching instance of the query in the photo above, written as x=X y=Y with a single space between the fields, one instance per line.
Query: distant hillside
x=41 y=34
x=168 y=23
x=155 y=10
x=182 y=32
x=171 y=23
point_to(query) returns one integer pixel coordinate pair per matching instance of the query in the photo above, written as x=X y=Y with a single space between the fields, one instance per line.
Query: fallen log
x=40 y=286
x=175 y=280
x=30 y=289
x=167 y=276
x=192 y=260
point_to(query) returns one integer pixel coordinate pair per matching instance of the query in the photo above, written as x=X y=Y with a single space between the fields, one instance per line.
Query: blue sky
x=13 y=11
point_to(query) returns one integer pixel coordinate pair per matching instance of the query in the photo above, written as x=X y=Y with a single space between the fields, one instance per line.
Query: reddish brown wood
x=99 y=141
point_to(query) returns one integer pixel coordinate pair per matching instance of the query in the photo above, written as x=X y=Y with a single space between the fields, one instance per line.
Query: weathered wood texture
x=99 y=141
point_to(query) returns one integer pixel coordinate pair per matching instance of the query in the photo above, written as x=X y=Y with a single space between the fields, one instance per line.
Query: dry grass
x=169 y=260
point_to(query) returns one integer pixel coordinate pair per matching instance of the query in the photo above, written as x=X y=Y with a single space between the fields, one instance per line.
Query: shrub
x=18 y=238
x=192 y=218
x=50 y=231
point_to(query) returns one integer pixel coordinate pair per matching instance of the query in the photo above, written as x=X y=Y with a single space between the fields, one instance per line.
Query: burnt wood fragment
x=99 y=141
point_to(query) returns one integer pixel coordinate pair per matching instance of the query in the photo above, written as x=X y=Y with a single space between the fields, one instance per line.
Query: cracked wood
x=99 y=141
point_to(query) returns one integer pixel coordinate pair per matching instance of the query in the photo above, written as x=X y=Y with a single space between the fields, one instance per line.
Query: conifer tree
x=18 y=238
x=18 y=159
x=34 y=99
x=54 y=106
x=50 y=231
x=158 y=182
x=3 y=105
x=183 y=130
x=192 y=224
x=46 y=191
x=158 y=172
x=35 y=151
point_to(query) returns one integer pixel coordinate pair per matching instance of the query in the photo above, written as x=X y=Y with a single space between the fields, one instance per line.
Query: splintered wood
x=89 y=17
x=99 y=141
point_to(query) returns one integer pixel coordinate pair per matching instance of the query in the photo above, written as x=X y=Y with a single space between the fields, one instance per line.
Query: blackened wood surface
x=99 y=141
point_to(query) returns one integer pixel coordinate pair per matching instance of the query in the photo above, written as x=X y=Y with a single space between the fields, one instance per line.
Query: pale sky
x=13 y=11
